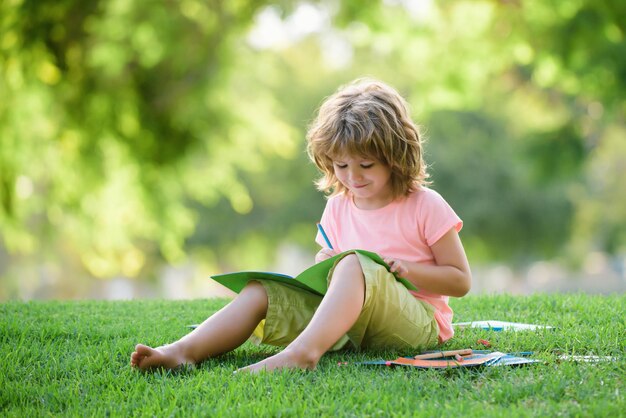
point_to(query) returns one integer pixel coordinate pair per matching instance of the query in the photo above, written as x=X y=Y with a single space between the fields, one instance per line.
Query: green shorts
x=391 y=317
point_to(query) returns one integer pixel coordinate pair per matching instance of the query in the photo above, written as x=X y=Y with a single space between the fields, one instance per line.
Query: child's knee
x=349 y=262
x=255 y=289
x=255 y=293
x=349 y=267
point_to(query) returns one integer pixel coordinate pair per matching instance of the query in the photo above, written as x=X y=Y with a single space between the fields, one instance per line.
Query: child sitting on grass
x=370 y=154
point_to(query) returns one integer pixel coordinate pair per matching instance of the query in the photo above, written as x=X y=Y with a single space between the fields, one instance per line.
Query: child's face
x=368 y=180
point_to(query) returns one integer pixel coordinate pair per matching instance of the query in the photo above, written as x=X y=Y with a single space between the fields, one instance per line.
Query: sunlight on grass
x=72 y=358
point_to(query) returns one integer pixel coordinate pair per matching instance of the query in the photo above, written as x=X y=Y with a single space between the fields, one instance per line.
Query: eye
x=340 y=166
x=367 y=165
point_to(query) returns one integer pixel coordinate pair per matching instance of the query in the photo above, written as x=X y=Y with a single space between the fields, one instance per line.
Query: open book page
x=313 y=279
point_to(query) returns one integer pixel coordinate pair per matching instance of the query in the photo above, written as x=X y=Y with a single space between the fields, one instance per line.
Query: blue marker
x=319 y=226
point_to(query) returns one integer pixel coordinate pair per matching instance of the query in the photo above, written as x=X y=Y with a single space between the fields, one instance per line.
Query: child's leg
x=338 y=311
x=224 y=331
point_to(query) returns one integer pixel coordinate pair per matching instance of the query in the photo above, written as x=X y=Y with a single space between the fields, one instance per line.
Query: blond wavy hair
x=370 y=119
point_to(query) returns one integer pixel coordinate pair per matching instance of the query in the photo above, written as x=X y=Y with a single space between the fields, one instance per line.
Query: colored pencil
x=321 y=229
x=440 y=354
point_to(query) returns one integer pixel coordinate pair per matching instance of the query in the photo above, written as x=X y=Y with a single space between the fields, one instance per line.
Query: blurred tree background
x=137 y=134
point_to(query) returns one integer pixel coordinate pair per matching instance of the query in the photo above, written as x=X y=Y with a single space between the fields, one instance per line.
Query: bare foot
x=286 y=359
x=167 y=356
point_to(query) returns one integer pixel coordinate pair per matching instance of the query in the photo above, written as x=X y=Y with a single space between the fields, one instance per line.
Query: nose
x=355 y=173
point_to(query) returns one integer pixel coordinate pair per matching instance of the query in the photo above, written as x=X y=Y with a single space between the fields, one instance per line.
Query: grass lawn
x=72 y=358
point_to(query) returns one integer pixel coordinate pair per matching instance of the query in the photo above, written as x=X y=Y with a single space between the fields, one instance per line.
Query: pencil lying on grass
x=440 y=354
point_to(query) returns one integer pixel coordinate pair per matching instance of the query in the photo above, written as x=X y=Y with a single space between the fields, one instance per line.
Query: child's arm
x=450 y=275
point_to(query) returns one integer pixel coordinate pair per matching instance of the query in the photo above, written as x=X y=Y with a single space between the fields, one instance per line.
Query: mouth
x=359 y=186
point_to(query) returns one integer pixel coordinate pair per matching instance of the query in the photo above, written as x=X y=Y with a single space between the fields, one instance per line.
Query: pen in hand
x=321 y=229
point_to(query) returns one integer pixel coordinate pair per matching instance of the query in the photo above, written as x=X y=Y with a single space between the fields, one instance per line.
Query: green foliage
x=498 y=196
x=73 y=359
x=117 y=114
x=133 y=133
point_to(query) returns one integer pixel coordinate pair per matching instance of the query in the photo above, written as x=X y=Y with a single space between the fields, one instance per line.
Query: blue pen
x=319 y=226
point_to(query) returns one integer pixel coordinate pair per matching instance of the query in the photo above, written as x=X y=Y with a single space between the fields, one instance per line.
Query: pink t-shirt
x=404 y=229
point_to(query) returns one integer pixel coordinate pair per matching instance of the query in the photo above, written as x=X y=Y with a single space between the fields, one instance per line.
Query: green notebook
x=312 y=279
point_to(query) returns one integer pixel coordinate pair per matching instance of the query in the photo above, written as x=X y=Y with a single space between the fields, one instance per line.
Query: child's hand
x=324 y=254
x=397 y=266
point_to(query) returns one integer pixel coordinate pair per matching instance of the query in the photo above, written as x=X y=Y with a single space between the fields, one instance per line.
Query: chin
x=360 y=192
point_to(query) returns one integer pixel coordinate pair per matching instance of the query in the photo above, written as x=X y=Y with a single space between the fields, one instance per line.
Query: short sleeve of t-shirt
x=436 y=217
